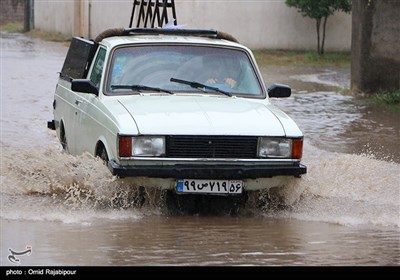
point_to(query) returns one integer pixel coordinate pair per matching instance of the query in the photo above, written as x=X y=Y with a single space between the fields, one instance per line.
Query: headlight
x=274 y=147
x=280 y=147
x=142 y=146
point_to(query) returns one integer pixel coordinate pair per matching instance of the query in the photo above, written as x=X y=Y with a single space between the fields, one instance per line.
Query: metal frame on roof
x=209 y=33
x=152 y=12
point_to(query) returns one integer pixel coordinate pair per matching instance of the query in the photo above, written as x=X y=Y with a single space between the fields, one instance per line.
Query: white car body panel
x=90 y=119
x=209 y=115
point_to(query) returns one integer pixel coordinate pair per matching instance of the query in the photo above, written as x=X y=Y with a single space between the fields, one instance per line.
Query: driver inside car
x=217 y=73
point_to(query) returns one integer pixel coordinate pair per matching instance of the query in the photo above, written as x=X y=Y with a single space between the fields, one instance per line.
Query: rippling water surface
x=71 y=211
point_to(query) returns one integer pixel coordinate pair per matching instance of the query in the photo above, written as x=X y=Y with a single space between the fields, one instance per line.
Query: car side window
x=97 y=70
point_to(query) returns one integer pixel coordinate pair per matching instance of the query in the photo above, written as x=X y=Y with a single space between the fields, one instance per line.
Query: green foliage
x=18 y=27
x=12 y=27
x=302 y=58
x=341 y=59
x=387 y=97
x=388 y=100
x=318 y=9
x=49 y=36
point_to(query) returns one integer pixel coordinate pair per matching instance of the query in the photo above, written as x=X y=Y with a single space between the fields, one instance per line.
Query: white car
x=186 y=110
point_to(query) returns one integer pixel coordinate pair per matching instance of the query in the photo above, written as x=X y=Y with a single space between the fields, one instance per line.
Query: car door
x=86 y=126
x=66 y=101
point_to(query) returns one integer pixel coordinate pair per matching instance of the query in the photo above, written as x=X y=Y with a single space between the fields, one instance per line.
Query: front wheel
x=102 y=153
x=63 y=139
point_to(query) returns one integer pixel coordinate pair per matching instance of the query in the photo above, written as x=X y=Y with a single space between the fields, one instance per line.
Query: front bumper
x=234 y=172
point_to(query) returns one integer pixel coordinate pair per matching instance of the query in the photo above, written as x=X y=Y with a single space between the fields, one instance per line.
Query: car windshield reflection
x=229 y=70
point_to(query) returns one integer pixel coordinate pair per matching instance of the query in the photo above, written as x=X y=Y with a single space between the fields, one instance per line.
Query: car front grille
x=211 y=146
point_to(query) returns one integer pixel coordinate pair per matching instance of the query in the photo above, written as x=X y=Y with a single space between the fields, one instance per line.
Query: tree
x=318 y=10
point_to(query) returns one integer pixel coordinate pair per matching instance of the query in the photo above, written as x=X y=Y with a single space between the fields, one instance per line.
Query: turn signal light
x=297 y=148
x=125 y=146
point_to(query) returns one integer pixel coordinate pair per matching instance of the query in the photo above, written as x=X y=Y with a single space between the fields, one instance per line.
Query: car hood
x=202 y=115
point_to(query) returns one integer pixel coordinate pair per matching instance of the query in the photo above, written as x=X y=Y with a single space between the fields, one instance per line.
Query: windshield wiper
x=140 y=88
x=200 y=86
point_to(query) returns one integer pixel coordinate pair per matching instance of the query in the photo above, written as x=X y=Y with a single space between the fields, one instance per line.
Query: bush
x=388 y=100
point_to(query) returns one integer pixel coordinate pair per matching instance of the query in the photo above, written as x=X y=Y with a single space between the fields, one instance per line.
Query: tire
x=102 y=153
x=63 y=139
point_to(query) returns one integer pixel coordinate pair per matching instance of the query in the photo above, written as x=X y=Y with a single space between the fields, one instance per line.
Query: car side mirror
x=84 y=85
x=278 y=90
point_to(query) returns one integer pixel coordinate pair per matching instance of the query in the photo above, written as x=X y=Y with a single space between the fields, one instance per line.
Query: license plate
x=209 y=186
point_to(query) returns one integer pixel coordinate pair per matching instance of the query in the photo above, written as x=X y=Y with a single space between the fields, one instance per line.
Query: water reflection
x=157 y=240
x=62 y=205
x=340 y=124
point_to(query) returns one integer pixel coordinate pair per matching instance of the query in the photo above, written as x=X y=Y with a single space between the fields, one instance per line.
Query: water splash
x=47 y=184
x=348 y=190
x=51 y=185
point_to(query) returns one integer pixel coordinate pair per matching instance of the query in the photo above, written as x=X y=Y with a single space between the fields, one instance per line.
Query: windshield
x=228 y=70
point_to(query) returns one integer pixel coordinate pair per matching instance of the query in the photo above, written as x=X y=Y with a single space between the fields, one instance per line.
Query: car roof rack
x=171 y=31
x=209 y=33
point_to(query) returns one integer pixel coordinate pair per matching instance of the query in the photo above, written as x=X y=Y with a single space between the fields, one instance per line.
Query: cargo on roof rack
x=209 y=33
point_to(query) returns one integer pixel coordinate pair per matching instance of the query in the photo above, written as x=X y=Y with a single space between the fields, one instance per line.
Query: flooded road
x=71 y=211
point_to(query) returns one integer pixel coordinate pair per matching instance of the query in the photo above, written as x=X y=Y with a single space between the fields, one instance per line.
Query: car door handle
x=77 y=102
